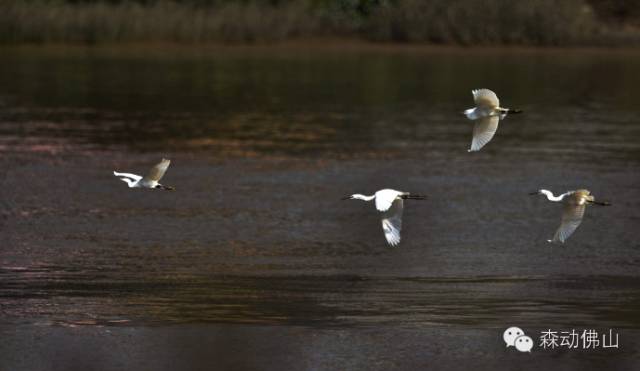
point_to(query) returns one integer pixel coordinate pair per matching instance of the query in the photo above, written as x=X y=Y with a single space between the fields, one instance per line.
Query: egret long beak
x=534 y=193
x=346 y=198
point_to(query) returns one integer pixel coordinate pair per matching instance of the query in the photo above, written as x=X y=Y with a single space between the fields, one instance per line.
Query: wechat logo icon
x=515 y=337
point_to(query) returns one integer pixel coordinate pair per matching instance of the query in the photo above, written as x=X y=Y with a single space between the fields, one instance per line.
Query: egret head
x=348 y=197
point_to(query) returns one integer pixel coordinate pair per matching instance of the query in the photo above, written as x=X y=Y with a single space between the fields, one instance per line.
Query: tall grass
x=537 y=22
x=488 y=22
x=43 y=21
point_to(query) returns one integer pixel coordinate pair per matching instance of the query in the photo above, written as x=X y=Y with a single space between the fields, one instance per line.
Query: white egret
x=390 y=203
x=486 y=114
x=575 y=203
x=150 y=180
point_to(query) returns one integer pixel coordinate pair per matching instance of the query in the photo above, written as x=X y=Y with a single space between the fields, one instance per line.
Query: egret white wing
x=392 y=222
x=157 y=172
x=128 y=175
x=485 y=98
x=483 y=131
x=384 y=199
x=571 y=219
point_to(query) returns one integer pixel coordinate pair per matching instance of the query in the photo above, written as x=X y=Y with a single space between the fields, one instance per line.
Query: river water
x=264 y=141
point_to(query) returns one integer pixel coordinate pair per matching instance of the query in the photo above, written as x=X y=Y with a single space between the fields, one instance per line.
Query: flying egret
x=390 y=203
x=150 y=180
x=486 y=114
x=574 y=206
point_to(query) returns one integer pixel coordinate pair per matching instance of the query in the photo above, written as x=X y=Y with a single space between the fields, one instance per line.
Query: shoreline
x=321 y=45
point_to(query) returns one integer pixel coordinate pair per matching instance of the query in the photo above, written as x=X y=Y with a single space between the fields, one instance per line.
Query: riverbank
x=308 y=47
x=503 y=22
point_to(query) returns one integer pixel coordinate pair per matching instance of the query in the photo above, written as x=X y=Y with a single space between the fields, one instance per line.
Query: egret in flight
x=486 y=114
x=150 y=180
x=390 y=203
x=575 y=203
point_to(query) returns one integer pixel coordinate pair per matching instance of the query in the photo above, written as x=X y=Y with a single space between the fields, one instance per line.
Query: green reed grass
x=467 y=22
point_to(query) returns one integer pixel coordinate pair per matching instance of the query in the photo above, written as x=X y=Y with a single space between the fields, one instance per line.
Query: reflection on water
x=300 y=101
x=111 y=298
x=263 y=146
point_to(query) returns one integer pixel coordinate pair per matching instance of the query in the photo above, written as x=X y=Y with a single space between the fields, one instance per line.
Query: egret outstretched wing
x=483 y=131
x=385 y=197
x=485 y=98
x=134 y=177
x=571 y=219
x=157 y=172
x=392 y=222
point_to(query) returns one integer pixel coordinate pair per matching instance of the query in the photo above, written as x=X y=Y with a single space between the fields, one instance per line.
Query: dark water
x=263 y=144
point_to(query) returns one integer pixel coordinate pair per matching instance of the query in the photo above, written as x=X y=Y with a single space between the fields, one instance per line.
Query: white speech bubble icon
x=511 y=334
x=524 y=343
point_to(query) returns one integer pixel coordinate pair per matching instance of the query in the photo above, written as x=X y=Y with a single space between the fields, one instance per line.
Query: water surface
x=264 y=142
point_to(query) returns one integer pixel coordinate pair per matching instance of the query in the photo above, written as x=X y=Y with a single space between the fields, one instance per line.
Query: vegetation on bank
x=465 y=22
